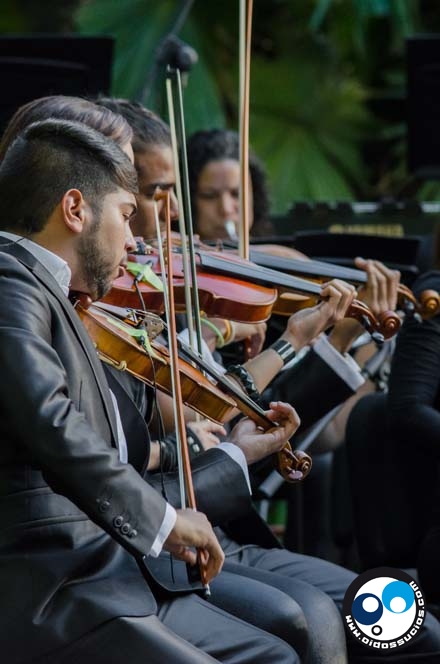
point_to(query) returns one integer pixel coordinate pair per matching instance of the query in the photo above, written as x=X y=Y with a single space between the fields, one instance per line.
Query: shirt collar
x=54 y=264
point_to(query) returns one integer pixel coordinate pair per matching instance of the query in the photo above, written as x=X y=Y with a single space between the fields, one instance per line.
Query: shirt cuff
x=342 y=364
x=237 y=455
x=166 y=527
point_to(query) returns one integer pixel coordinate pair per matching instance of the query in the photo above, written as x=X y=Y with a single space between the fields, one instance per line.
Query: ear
x=74 y=210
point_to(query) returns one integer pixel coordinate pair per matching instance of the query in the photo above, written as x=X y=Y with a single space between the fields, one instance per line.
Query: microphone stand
x=170 y=51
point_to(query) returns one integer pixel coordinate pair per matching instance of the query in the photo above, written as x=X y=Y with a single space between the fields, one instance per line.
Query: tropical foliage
x=327 y=79
x=327 y=83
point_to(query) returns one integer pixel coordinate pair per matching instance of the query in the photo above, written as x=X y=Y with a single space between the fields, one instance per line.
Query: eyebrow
x=132 y=205
x=212 y=187
x=151 y=188
x=162 y=185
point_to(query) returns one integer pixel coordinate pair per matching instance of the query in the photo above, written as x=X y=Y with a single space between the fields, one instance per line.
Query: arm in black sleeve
x=220 y=486
x=311 y=386
x=413 y=398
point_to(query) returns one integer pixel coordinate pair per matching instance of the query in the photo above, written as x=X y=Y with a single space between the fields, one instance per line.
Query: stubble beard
x=96 y=268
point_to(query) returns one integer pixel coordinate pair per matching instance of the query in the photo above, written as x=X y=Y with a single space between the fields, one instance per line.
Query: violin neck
x=309 y=268
x=257 y=274
x=244 y=403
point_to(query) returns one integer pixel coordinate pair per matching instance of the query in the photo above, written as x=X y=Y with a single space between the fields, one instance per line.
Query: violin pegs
x=408 y=307
x=378 y=338
x=83 y=299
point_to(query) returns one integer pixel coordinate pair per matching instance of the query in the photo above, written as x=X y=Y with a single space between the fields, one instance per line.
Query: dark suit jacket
x=73 y=519
x=220 y=486
x=393 y=448
x=75 y=523
x=311 y=386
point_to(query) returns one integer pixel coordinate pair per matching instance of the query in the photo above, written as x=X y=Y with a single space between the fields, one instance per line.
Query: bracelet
x=284 y=349
x=195 y=447
x=220 y=338
x=245 y=379
x=229 y=331
x=168 y=450
x=168 y=456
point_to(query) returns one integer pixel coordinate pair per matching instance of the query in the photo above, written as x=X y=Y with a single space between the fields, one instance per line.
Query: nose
x=228 y=205
x=174 y=205
x=130 y=242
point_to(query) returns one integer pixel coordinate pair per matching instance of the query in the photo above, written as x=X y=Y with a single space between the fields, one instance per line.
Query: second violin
x=236 y=289
x=223 y=296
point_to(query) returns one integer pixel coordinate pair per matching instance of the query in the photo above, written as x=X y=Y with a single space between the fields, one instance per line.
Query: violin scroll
x=429 y=303
x=383 y=327
x=426 y=306
x=388 y=324
x=288 y=460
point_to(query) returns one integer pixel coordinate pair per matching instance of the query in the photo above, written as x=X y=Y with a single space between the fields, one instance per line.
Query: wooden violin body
x=219 y=296
x=237 y=289
x=116 y=344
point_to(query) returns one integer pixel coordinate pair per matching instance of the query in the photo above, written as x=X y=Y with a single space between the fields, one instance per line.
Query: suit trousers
x=186 y=630
x=312 y=583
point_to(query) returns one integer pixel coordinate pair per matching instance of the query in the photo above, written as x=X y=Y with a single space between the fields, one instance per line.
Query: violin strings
x=156 y=406
x=227 y=384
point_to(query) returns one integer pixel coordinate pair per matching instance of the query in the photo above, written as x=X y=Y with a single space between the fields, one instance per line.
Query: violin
x=226 y=276
x=428 y=305
x=382 y=327
x=219 y=296
x=119 y=344
x=149 y=362
x=286 y=459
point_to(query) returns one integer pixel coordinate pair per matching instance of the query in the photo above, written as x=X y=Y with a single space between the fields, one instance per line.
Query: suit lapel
x=40 y=272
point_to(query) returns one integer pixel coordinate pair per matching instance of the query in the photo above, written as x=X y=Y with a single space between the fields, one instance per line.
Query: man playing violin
x=251 y=550
x=227 y=480
x=326 y=610
x=76 y=518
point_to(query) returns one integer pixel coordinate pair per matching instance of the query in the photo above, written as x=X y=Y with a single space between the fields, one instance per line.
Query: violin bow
x=184 y=464
x=178 y=143
x=245 y=29
x=245 y=39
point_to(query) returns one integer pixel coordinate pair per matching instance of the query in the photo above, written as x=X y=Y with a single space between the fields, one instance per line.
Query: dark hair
x=148 y=128
x=50 y=157
x=67 y=108
x=217 y=144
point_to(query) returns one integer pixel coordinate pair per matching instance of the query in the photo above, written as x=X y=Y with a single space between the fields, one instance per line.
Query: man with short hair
x=75 y=519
